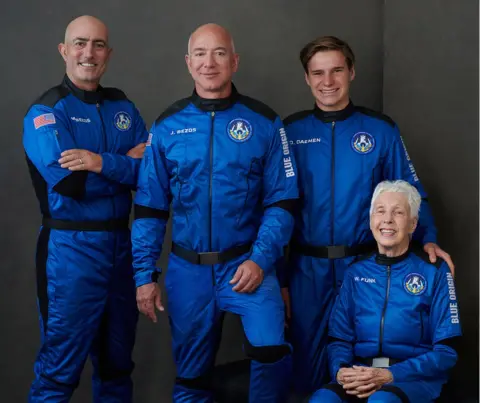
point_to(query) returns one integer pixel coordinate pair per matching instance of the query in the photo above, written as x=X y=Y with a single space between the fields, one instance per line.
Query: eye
x=220 y=53
x=338 y=70
x=80 y=44
x=100 y=45
x=399 y=212
x=198 y=54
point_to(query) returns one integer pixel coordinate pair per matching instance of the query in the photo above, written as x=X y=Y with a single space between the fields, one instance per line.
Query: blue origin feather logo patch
x=363 y=143
x=123 y=121
x=415 y=284
x=239 y=130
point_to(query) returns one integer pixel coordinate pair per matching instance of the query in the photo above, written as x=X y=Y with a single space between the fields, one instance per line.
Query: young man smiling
x=342 y=151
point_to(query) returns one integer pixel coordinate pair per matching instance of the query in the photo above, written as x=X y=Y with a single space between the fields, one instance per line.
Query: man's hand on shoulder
x=435 y=251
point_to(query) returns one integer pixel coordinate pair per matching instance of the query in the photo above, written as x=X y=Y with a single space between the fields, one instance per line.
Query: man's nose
x=88 y=50
x=328 y=79
x=209 y=60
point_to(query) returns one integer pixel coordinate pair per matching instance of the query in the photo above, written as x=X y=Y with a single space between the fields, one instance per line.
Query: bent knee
x=389 y=394
x=267 y=354
x=201 y=382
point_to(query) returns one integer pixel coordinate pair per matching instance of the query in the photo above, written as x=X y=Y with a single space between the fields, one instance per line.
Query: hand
x=149 y=296
x=343 y=373
x=81 y=160
x=248 y=277
x=366 y=381
x=137 y=151
x=286 y=301
x=434 y=250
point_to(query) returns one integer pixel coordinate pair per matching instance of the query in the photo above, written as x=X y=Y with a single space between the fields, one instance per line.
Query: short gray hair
x=399 y=186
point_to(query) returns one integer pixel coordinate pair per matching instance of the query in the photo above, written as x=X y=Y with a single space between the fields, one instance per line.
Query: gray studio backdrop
x=419 y=64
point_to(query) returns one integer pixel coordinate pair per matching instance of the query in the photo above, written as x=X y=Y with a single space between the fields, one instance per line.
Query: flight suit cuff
x=146 y=276
x=262 y=261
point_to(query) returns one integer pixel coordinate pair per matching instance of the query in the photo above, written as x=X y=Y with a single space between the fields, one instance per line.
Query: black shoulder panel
x=296 y=116
x=365 y=256
x=418 y=251
x=114 y=94
x=258 y=107
x=172 y=109
x=51 y=97
x=375 y=114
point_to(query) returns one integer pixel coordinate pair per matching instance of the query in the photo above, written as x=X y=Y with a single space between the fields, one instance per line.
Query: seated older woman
x=395 y=320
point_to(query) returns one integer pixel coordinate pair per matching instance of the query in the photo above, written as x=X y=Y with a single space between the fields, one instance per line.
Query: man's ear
x=352 y=73
x=62 y=49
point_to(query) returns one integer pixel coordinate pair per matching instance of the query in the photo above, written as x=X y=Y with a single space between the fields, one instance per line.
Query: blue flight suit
x=341 y=157
x=401 y=309
x=85 y=287
x=226 y=167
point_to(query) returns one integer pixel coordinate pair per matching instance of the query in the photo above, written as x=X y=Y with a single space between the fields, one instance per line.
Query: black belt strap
x=332 y=252
x=369 y=361
x=210 y=258
x=117 y=224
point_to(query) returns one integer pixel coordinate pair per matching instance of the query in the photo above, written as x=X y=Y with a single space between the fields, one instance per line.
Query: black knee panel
x=202 y=382
x=110 y=374
x=266 y=354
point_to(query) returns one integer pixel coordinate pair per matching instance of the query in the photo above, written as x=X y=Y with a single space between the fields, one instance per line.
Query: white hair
x=399 y=186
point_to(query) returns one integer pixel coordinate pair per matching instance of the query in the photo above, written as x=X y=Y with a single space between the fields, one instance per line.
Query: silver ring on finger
x=81 y=162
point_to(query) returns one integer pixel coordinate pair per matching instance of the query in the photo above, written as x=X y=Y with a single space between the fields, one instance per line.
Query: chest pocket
x=253 y=187
x=424 y=328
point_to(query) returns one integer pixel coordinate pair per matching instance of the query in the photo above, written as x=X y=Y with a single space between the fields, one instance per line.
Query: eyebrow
x=78 y=38
x=217 y=48
x=333 y=68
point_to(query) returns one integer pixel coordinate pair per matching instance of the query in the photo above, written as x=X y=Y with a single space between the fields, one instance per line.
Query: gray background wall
x=431 y=89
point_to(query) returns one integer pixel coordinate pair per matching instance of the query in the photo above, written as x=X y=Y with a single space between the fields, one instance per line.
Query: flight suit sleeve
x=341 y=330
x=45 y=136
x=398 y=165
x=122 y=168
x=280 y=193
x=444 y=331
x=151 y=207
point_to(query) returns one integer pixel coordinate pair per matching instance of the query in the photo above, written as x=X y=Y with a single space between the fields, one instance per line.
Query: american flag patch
x=149 y=141
x=42 y=120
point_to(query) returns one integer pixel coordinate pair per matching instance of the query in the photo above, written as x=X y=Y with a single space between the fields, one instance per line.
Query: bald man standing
x=83 y=145
x=224 y=162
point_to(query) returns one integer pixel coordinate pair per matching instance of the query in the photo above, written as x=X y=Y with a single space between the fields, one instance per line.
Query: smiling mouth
x=87 y=64
x=388 y=232
x=329 y=92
